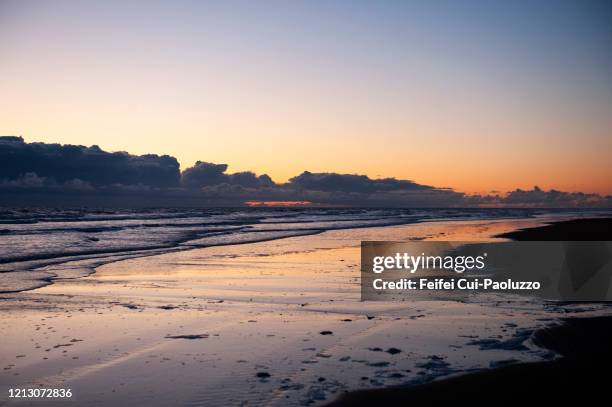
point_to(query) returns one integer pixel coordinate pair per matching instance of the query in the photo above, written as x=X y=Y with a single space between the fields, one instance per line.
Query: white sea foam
x=52 y=243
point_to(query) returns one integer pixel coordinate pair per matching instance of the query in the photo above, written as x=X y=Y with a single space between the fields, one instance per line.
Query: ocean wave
x=32 y=239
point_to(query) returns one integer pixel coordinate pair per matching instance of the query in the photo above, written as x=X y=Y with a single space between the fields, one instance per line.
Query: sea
x=38 y=245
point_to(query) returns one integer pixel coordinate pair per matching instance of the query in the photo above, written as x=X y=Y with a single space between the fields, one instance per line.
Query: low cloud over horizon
x=41 y=174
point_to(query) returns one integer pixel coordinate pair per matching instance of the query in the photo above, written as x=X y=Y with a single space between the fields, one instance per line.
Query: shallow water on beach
x=270 y=323
x=43 y=240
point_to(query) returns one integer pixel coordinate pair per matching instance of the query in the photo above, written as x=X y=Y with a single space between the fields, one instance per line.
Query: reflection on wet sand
x=274 y=323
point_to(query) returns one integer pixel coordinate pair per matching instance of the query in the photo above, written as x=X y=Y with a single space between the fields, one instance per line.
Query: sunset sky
x=470 y=95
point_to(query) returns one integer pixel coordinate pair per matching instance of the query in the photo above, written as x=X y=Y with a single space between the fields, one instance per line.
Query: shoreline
x=584 y=229
x=58 y=268
x=277 y=323
x=581 y=343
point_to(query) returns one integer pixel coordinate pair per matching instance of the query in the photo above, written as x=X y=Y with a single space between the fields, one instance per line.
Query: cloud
x=363 y=191
x=538 y=198
x=54 y=174
x=555 y=199
x=63 y=163
x=204 y=174
x=31 y=180
x=329 y=181
x=321 y=188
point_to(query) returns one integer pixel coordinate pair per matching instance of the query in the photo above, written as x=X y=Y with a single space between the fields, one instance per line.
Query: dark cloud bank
x=39 y=174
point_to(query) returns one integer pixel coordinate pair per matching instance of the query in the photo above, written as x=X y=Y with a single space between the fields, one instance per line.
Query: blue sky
x=387 y=88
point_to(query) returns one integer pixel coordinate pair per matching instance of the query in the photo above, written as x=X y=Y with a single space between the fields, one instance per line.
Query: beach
x=276 y=322
x=304 y=203
x=580 y=345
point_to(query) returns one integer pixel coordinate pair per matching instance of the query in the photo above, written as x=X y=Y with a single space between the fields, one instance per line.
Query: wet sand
x=270 y=323
x=581 y=344
x=581 y=373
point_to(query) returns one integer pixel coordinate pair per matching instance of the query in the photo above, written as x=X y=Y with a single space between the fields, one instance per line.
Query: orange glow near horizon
x=410 y=90
x=278 y=203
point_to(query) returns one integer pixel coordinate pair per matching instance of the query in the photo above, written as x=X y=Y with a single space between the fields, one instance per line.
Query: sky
x=479 y=96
